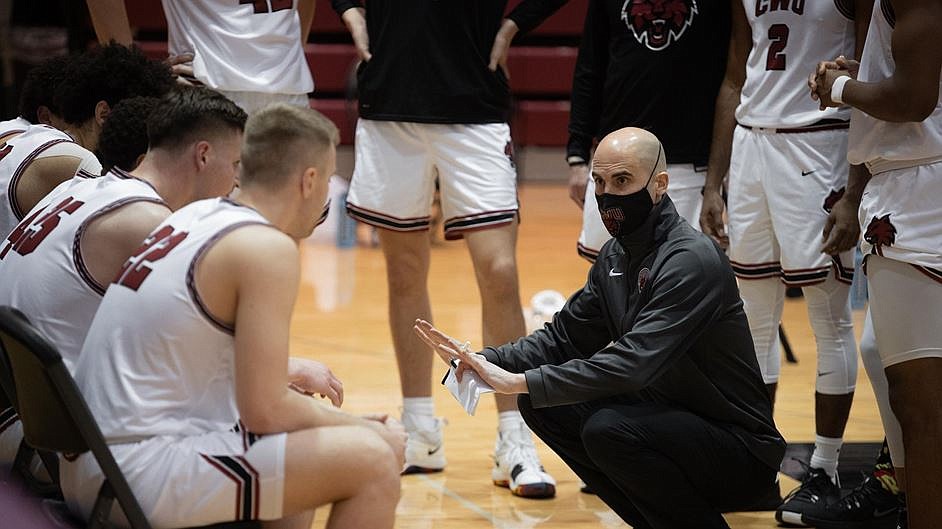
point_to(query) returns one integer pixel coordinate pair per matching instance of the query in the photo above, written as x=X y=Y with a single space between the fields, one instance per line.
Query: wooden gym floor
x=341 y=320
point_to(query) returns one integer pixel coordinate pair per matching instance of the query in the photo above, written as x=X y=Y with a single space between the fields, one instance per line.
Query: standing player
x=657 y=69
x=787 y=168
x=444 y=118
x=252 y=52
x=34 y=162
x=896 y=131
x=55 y=266
x=192 y=338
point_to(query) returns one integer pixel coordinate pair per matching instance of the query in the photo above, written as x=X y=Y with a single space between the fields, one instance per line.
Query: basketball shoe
x=869 y=506
x=425 y=452
x=517 y=465
x=810 y=499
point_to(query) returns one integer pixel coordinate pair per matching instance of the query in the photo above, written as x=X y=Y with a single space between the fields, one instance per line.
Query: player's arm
x=110 y=19
x=306 y=16
x=42 y=176
x=259 y=269
x=724 y=123
x=354 y=17
x=110 y=239
x=586 y=102
x=912 y=92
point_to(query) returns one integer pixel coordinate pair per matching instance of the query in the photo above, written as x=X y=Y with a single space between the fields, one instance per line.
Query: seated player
x=35 y=161
x=55 y=266
x=646 y=383
x=37 y=106
x=186 y=364
x=123 y=140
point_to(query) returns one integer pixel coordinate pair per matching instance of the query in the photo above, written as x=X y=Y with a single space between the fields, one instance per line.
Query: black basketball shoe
x=869 y=506
x=811 y=498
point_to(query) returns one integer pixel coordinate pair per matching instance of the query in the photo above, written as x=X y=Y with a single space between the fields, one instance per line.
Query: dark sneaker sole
x=412 y=469
x=535 y=491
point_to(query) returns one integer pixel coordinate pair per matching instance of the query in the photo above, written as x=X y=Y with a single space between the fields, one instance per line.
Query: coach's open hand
x=450 y=349
x=314 y=378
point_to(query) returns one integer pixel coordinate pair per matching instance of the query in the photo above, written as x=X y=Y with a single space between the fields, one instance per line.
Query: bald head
x=626 y=159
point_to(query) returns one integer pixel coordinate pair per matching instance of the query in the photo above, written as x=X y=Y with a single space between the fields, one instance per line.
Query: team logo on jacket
x=880 y=231
x=832 y=199
x=658 y=23
x=643 y=278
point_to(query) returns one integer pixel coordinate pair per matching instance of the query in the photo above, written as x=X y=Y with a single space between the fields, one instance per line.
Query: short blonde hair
x=279 y=138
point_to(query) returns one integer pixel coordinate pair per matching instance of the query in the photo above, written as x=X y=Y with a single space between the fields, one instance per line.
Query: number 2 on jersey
x=778 y=34
x=155 y=247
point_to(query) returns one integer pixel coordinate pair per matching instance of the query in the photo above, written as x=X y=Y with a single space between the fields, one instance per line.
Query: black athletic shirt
x=430 y=58
x=658 y=320
x=656 y=70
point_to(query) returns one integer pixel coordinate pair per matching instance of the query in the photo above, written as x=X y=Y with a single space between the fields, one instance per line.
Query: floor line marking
x=468 y=504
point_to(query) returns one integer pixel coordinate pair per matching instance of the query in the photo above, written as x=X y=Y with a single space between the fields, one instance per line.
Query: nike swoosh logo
x=826 y=373
x=880 y=514
x=613 y=273
x=434 y=450
x=806 y=173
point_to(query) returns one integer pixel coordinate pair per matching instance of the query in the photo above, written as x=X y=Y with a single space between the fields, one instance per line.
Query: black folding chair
x=56 y=418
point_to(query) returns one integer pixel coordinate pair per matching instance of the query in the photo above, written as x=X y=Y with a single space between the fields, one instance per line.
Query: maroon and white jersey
x=245 y=46
x=17 y=152
x=883 y=145
x=42 y=267
x=158 y=362
x=788 y=38
x=13 y=126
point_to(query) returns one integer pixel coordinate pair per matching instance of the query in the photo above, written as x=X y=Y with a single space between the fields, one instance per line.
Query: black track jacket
x=659 y=320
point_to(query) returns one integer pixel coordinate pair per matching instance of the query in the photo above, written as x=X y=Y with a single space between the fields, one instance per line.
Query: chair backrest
x=54 y=414
x=7 y=389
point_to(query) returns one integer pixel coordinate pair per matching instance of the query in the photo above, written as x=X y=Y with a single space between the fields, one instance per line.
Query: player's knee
x=406 y=272
x=918 y=417
x=498 y=277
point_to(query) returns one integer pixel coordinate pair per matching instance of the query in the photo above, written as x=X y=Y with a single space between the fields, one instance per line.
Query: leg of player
x=407 y=264
x=493 y=253
x=763 y=301
x=829 y=313
x=352 y=468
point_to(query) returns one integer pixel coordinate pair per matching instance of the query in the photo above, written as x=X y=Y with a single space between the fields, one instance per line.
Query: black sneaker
x=869 y=506
x=810 y=499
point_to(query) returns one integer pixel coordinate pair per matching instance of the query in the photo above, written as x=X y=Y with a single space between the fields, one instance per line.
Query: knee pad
x=763 y=301
x=829 y=312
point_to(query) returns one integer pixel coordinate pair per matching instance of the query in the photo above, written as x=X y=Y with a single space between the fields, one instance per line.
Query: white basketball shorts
x=398 y=164
x=782 y=187
x=189 y=481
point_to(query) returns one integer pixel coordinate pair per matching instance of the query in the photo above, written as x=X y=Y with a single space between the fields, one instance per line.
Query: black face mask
x=623 y=214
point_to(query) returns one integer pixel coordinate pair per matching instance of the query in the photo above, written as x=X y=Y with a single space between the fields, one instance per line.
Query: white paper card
x=467 y=392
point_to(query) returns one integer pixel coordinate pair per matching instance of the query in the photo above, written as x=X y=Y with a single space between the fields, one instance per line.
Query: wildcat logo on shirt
x=658 y=23
x=880 y=231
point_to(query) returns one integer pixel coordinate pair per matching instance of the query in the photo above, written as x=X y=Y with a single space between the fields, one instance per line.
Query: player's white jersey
x=17 y=152
x=42 y=269
x=241 y=46
x=788 y=38
x=155 y=361
x=882 y=145
x=13 y=126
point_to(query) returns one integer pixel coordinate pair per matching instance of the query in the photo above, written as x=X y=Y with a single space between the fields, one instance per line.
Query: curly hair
x=124 y=135
x=187 y=112
x=40 y=85
x=108 y=73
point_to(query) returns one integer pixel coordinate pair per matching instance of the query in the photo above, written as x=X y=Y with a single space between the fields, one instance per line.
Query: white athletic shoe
x=425 y=452
x=517 y=466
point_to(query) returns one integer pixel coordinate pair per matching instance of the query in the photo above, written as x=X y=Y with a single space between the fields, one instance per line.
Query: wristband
x=837 y=89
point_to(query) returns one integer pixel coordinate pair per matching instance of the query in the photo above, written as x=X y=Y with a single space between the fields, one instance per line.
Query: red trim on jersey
x=11 y=189
x=191 y=272
x=77 y=258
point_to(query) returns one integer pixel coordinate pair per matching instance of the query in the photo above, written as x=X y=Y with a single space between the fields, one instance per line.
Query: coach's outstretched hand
x=449 y=349
x=314 y=378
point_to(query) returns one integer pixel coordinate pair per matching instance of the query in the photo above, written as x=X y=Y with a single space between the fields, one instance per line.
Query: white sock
x=509 y=421
x=418 y=413
x=826 y=452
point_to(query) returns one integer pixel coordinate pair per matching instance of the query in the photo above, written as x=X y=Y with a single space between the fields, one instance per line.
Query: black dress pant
x=657 y=467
